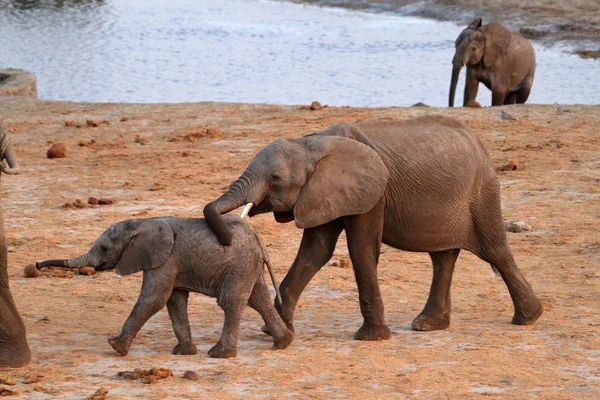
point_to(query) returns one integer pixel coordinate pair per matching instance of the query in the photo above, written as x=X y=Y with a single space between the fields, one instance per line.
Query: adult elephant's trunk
x=7 y=152
x=240 y=193
x=453 y=83
x=77 y=262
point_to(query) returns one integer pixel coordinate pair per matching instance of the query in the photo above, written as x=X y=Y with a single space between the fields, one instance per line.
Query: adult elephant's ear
x=349 y=178
x=150 y=242
x=497 y=40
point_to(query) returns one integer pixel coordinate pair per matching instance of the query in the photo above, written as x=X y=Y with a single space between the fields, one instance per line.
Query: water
x=251 y=51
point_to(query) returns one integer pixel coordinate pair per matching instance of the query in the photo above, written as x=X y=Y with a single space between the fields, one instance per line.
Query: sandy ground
x=157 y=160
x=575 y=23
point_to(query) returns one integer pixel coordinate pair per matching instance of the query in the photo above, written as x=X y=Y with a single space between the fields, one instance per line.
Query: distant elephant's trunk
x=7 y=152
x=240 y=193
x=453 y=82
x=77 y=262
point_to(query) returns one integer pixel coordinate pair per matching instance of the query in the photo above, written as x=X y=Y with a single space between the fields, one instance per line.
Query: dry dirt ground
x=171 y=159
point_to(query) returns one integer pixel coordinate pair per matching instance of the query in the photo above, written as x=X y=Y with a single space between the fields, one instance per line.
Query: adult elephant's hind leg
x=364 y=233
x=436 y=314
x=316 y=249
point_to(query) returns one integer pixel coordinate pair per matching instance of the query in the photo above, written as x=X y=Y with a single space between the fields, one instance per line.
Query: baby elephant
x=182 y=255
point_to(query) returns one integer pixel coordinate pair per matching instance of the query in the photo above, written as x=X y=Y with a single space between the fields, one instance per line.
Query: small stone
x=57 y=150
x=91 y=123
x=7 y=381
x=191 y=375
x=517 y=226
x=105 y=202
x=30 y=271
x=315 y=105
x=93 y=200
x=88 y=271
x=344 y=263
x=473 y=104
x=69 y=123
x=161 y=372
x=100 y=394
x=79 y=204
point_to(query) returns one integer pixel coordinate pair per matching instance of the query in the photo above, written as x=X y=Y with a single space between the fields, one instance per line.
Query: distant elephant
x=14 y=350
x=181 y=255
x=423 y=185
x=503 y=60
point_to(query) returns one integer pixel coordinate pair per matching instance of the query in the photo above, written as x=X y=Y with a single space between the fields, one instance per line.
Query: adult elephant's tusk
x=246 y=210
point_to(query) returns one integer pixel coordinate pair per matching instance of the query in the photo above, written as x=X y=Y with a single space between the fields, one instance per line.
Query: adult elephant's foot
x=266 y=330
x=520 y=318
x=185 y=349
x=425 y=322
x=220 y=351
x=120 y=345
x=284 y=341
x=373 y=332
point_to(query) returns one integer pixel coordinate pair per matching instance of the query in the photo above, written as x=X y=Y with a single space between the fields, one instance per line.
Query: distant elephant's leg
x=177 y=305
x=156 y=290
x=316 y=249
x=364 y=233
x=523 y=94
x=471 y=88
x=511 y=98
x=260 y=300
x=436 y=314
x=498 y=97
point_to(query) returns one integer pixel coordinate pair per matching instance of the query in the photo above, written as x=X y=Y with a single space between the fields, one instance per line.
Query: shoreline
x=575 y=23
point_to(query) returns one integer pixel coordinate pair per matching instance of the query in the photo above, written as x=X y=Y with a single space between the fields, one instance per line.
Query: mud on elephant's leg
x=436 y=314
x=316 y=249
x=364 y=233
x=177 y=305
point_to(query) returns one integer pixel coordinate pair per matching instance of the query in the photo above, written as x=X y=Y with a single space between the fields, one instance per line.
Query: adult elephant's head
x=312 y=180
x=477 y=43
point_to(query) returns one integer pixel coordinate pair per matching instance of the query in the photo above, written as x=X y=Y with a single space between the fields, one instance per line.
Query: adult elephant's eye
x=275 y=176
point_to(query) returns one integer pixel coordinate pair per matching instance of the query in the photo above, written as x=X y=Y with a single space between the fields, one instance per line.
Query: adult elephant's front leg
x=316 y=249
x=364 y=233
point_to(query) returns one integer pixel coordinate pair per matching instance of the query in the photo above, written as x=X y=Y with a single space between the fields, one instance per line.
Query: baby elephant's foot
x=425 y=322
x=185 y=349
x=373 y=332
x=284 y=341
x=220 y=351
x=120 y=345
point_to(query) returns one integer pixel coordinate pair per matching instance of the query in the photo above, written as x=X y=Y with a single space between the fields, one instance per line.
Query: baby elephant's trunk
x=77 y=262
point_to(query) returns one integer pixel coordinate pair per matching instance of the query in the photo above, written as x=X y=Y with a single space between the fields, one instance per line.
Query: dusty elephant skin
x=178 y=256
x=422 y=185
x=14 y=350
x=503 y=60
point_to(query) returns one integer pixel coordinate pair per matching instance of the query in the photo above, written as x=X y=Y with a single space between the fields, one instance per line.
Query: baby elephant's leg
x=226 y=347
x=156 y=290
x=260 y=300
x=178 y=312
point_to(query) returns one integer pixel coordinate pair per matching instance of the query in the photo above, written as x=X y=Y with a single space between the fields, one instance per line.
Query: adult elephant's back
x=440 y=176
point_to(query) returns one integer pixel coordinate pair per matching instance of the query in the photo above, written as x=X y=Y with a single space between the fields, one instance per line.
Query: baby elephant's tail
x=267 y=261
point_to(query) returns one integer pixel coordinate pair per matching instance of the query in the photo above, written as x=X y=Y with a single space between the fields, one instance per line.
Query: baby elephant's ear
x=150 y=243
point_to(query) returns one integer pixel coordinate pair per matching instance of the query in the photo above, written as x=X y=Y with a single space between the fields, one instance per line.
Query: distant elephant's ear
x=497 y=40
x=349 y=178
x=476 y=23
x=150 y=244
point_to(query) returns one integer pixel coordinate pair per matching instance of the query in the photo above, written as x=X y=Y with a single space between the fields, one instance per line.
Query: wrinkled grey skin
x=503 y=60
x=424 y=185
x=181 y=255
x=14 y=350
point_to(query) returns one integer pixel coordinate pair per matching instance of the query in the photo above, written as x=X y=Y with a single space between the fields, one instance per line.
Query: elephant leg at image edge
x=315 y=250
x=177 y=306
x=436 y=314
x=364 y=233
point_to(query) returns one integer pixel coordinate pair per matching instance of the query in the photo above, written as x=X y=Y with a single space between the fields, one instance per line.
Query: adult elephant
x=14 y=351
x=424 y=185
x=503 y=60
